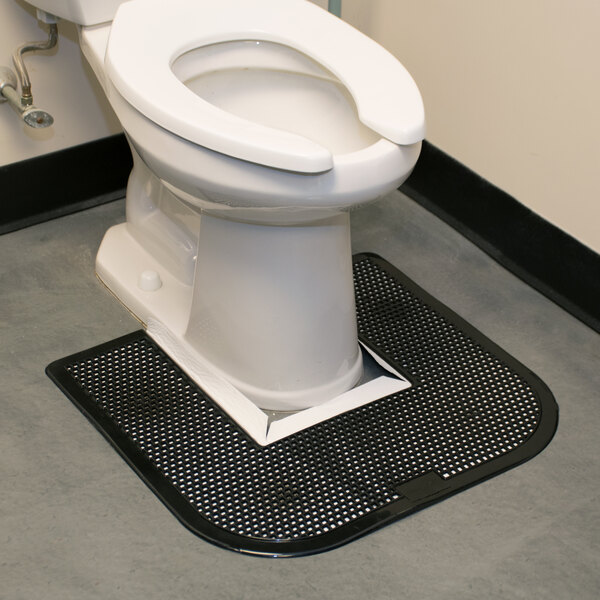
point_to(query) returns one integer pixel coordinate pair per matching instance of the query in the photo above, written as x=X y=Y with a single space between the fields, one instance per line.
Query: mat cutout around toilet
x=472 y=412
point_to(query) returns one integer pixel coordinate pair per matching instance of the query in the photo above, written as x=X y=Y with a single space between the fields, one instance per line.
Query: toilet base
x=122 y=278
x=272 y=309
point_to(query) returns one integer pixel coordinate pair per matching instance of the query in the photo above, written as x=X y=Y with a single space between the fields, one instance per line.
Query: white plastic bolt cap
x=149 y=281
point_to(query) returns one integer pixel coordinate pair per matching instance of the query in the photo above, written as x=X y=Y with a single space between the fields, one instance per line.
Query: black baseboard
x=548 y=259
x=63 y=182
x=542 y=255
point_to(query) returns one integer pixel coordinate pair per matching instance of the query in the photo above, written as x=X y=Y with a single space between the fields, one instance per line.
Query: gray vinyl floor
x=77 y=523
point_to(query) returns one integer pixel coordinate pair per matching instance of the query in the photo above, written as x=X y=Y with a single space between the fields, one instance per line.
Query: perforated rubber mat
x=472 y=412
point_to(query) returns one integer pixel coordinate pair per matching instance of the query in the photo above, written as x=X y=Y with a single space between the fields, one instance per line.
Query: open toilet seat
x=147 y=37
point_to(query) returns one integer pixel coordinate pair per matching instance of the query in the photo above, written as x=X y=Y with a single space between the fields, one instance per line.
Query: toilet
x=255 y=126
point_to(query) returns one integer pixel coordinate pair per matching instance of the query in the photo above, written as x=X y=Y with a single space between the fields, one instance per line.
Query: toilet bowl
x=255 y=127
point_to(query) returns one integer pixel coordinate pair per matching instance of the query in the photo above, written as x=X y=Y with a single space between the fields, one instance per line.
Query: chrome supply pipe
x=26 y=97
x=23 y=102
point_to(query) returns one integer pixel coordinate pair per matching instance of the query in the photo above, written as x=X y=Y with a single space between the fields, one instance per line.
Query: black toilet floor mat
x=472 y=412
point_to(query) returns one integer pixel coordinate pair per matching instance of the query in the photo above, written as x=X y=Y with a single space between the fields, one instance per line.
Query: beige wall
x=511 y=89
x=62 y=84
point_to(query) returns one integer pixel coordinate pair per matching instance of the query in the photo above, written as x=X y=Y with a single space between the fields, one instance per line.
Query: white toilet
x=255 y=126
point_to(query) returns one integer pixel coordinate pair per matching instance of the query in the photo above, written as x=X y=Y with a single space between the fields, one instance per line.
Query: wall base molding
x=542 y=255
x=57 y=184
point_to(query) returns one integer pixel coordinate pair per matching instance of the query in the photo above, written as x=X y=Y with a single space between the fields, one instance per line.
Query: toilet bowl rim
x=153 y=89
x=351 y=182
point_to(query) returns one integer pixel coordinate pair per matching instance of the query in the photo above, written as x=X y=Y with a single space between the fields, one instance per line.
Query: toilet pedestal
x=271 y=307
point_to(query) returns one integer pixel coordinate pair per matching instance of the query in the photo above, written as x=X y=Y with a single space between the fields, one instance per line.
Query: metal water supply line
x=9 y=82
